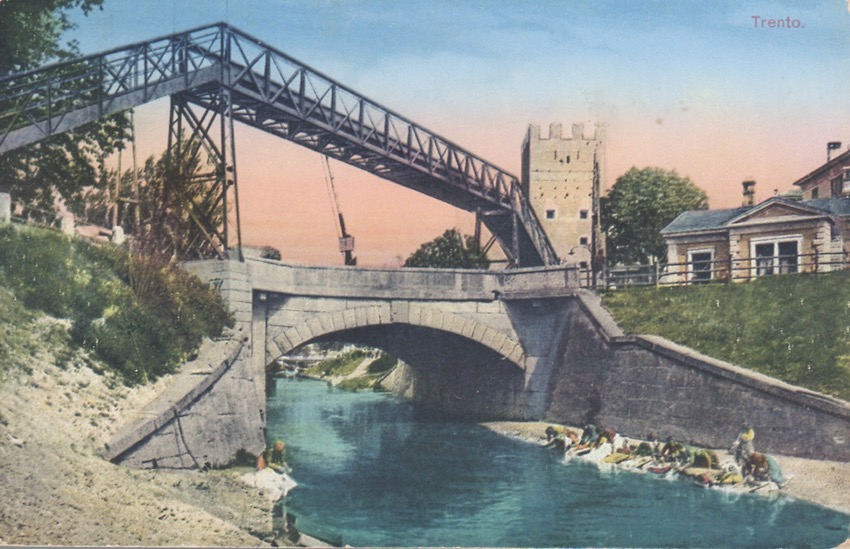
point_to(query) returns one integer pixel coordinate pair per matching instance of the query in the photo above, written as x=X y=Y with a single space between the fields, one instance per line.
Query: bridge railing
x=268 y=88
x=58 y=97
x=278 y=78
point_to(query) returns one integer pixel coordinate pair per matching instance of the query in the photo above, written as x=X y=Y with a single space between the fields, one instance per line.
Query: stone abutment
x=521 y=345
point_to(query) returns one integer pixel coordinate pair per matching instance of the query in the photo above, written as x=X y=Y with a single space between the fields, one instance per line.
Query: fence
x=714 y=271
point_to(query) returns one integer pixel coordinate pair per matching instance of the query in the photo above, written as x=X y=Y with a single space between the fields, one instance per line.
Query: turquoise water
x=372 y=470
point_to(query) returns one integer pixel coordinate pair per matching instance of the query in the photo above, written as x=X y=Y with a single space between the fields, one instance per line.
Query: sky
x=715 y=90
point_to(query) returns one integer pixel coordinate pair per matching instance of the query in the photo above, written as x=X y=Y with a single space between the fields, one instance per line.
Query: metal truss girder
x=273 y=92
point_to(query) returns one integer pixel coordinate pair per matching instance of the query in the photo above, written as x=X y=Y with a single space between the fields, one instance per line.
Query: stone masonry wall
x=642 y=385
x=209 y=415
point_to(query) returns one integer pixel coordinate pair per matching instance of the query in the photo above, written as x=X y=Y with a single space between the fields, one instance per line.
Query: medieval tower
x=563 y=177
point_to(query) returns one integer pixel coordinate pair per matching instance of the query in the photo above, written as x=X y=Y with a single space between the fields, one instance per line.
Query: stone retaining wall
x=208 y=416
x=644 y=384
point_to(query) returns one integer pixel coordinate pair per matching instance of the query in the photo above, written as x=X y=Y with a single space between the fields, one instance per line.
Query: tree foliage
x=58 y=168
x=452 y=250
x=31 y=32
x=163 y=204
x=639 y=205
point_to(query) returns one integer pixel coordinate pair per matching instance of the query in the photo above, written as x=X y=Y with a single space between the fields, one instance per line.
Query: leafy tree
x=452 y=250
x=639 y=205
x=62 y=166
x=174 y=197
x=31 y=30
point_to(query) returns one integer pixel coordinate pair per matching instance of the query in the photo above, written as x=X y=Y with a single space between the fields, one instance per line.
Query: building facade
x=806 y=230
x=830 y=180
x=563 y=179
x=778 y=236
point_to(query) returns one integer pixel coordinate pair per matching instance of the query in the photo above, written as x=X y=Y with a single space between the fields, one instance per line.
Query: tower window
x=582 y=241
x=582 y=214
x=550 y=214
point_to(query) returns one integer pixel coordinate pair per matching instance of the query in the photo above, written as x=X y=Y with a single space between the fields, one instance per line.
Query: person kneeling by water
x=273 y=458
x=761 y=467
x=560 y=437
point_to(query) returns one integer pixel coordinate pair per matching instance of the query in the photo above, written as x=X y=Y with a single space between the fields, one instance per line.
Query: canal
x=375 y=471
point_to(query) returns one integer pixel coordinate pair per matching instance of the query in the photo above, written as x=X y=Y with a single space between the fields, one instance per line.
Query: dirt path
x=55 y=489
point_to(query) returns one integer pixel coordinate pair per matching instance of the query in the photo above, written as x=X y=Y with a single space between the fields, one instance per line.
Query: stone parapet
x=419 y=284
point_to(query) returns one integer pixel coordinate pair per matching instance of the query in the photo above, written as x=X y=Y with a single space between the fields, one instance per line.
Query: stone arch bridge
x=516 y=344
x=478 y=325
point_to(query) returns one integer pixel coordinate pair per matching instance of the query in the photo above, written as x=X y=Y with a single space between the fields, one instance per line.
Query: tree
x=639 y=205
x=30 y=32
x=173 y=213
x=452 y=250
x=62 y=166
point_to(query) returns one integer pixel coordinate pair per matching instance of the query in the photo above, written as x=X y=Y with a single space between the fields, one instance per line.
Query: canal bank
x=374 y=470
x=56 y=489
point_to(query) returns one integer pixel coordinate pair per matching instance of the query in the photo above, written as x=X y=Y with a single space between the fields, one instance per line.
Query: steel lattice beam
x=269 y=90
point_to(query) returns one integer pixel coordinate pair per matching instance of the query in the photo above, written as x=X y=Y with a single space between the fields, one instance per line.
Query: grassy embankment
x=355 y=369
x=794 y=327
x=139 y=316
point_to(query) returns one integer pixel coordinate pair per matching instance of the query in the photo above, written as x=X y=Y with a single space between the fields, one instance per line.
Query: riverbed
x=373 y=470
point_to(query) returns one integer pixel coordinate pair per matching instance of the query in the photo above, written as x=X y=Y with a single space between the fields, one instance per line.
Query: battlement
x=556 y=133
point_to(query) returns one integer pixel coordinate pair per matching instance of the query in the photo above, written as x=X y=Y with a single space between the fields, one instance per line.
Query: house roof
x=705 y=220
x=840 y=159
x=701 y=220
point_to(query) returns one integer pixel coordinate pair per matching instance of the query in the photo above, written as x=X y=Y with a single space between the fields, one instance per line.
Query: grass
x=346 y=363
x=340 y=365
x=794 y=327
x=139 y=315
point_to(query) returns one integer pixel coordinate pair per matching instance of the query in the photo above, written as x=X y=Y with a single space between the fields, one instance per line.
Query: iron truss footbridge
x=216 y=75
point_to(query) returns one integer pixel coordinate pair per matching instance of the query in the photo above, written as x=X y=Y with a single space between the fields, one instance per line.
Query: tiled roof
x=702 y=220
x=835 y=206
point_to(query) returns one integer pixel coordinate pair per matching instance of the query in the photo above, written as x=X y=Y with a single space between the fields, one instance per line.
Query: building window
x=582 y=214
x=550 y=214
x=582 y=241
x=835 y=186
x=814 y=193
x=776 y=256
x=700 y=265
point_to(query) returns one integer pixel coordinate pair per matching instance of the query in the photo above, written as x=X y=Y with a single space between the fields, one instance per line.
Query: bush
x=384 y=363
x=140 y=315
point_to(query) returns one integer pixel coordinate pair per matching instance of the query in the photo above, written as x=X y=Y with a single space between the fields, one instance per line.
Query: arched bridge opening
x=462 y=367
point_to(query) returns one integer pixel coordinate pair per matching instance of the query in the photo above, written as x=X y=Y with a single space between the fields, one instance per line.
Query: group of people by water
x=746 y=469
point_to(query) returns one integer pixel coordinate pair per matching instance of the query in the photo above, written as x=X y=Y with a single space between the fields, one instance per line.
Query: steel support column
x=193 y=130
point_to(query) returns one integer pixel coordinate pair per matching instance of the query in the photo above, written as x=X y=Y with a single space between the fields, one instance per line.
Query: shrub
x=141 y=315
x=384 y=363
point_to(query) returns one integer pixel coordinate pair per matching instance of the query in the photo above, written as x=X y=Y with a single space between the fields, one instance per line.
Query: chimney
x=749 y=188
x=832 y=146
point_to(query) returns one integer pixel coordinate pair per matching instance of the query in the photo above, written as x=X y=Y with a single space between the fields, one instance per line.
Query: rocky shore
x=824 y=483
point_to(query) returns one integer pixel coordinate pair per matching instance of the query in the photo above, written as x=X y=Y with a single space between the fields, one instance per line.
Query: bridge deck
x=271 y=91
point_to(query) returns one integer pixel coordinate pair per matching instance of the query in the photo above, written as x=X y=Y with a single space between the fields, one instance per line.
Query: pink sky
x=690 y=86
